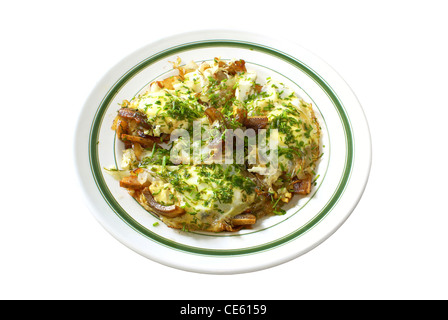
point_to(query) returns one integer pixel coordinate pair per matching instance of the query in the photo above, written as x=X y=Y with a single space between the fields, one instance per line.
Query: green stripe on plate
x=116 y=207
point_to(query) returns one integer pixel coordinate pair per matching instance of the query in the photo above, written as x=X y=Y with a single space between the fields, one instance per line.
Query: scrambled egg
x=298 y=132
x=210 y=195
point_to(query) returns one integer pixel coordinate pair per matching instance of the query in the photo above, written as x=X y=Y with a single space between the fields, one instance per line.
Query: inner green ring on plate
x=290 y=215
x=116 y=207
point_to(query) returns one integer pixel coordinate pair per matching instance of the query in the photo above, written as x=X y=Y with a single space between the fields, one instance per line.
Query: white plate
x=343 y=169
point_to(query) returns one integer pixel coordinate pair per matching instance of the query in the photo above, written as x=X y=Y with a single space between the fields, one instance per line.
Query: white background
x=393 y=54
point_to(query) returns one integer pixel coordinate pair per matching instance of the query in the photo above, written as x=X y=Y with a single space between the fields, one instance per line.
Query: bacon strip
x=139 y=117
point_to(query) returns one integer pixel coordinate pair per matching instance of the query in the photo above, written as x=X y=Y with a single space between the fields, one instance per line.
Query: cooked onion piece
x=171 y=211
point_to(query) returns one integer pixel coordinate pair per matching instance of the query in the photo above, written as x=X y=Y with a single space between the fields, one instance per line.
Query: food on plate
x=182 y=139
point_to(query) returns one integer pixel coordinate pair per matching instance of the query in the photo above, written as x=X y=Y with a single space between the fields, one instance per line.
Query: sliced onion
x=166 y=211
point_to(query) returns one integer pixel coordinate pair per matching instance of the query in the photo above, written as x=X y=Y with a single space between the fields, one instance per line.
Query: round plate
x=343 y=169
